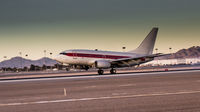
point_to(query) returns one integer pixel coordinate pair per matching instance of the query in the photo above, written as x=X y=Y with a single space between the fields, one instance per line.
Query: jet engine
x=102 y=64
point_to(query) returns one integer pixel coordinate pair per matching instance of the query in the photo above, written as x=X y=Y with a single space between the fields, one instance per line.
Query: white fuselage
x=88 y=57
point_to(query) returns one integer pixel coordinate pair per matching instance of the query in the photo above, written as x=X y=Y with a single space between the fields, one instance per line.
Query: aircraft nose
x=57 y=57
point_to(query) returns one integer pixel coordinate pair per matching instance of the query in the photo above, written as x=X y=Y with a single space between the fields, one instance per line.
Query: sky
x=32 y=26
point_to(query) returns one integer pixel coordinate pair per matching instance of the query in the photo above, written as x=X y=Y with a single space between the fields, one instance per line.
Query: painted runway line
x=99 y=98
x=100 y=76
x=127 y=85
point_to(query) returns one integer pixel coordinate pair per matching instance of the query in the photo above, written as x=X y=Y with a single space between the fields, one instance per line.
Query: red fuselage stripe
x=96 y=56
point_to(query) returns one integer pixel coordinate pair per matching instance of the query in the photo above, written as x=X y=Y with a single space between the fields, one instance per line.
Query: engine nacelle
x=102 y=64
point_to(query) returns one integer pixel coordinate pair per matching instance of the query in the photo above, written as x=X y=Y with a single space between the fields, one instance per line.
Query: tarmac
x=171 y=91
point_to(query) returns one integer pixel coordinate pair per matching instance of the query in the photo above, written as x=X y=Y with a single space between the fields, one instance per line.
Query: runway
x=176 y=91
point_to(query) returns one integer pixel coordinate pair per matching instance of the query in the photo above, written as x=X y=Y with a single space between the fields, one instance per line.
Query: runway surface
x=177 y=91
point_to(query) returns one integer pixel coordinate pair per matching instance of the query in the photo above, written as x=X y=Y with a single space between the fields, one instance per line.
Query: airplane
x=85 y=59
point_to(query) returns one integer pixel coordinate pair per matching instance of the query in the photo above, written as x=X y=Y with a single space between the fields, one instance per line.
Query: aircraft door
x=104 y=56
x=74 y=54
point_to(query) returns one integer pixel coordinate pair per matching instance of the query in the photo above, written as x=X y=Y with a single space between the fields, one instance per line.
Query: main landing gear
x=112 y=71
x=100 y=72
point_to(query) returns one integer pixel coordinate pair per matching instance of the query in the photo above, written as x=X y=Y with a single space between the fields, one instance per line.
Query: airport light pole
x=156 y=53
x=123 y=49
x=20 y=53
x=50 y=54
x=27 y=58
x=51 y=58
x=170 y=50
x=45 y=56
x=45 y=59
x=4 y=60
x=156 y=50
x=170 y=54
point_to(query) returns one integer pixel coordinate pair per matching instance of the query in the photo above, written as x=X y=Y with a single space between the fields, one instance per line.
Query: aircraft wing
x=137 y=60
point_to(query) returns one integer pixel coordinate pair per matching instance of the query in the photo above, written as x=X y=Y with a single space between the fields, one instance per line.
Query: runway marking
x=126 y=85
x=119 y=94
x=90 y=86
x=99 y=98
x=99 y=76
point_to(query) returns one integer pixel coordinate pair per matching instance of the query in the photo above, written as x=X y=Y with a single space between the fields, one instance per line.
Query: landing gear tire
x=67 y=69
x=100 y=72
x=113 y=71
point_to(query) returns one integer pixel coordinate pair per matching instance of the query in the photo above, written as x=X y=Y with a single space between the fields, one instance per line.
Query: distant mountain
x=192 y=52
x=19 y=62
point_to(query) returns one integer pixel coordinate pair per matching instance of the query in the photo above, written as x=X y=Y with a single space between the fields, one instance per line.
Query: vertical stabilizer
x=147 y=45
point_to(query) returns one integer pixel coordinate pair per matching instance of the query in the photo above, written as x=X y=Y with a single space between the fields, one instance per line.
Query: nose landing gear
x=113 y=71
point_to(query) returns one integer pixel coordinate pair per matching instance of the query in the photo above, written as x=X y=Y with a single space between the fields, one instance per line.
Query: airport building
x=174 y=61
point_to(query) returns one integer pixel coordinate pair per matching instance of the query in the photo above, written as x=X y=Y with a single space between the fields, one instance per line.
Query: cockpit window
x=63 y=53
